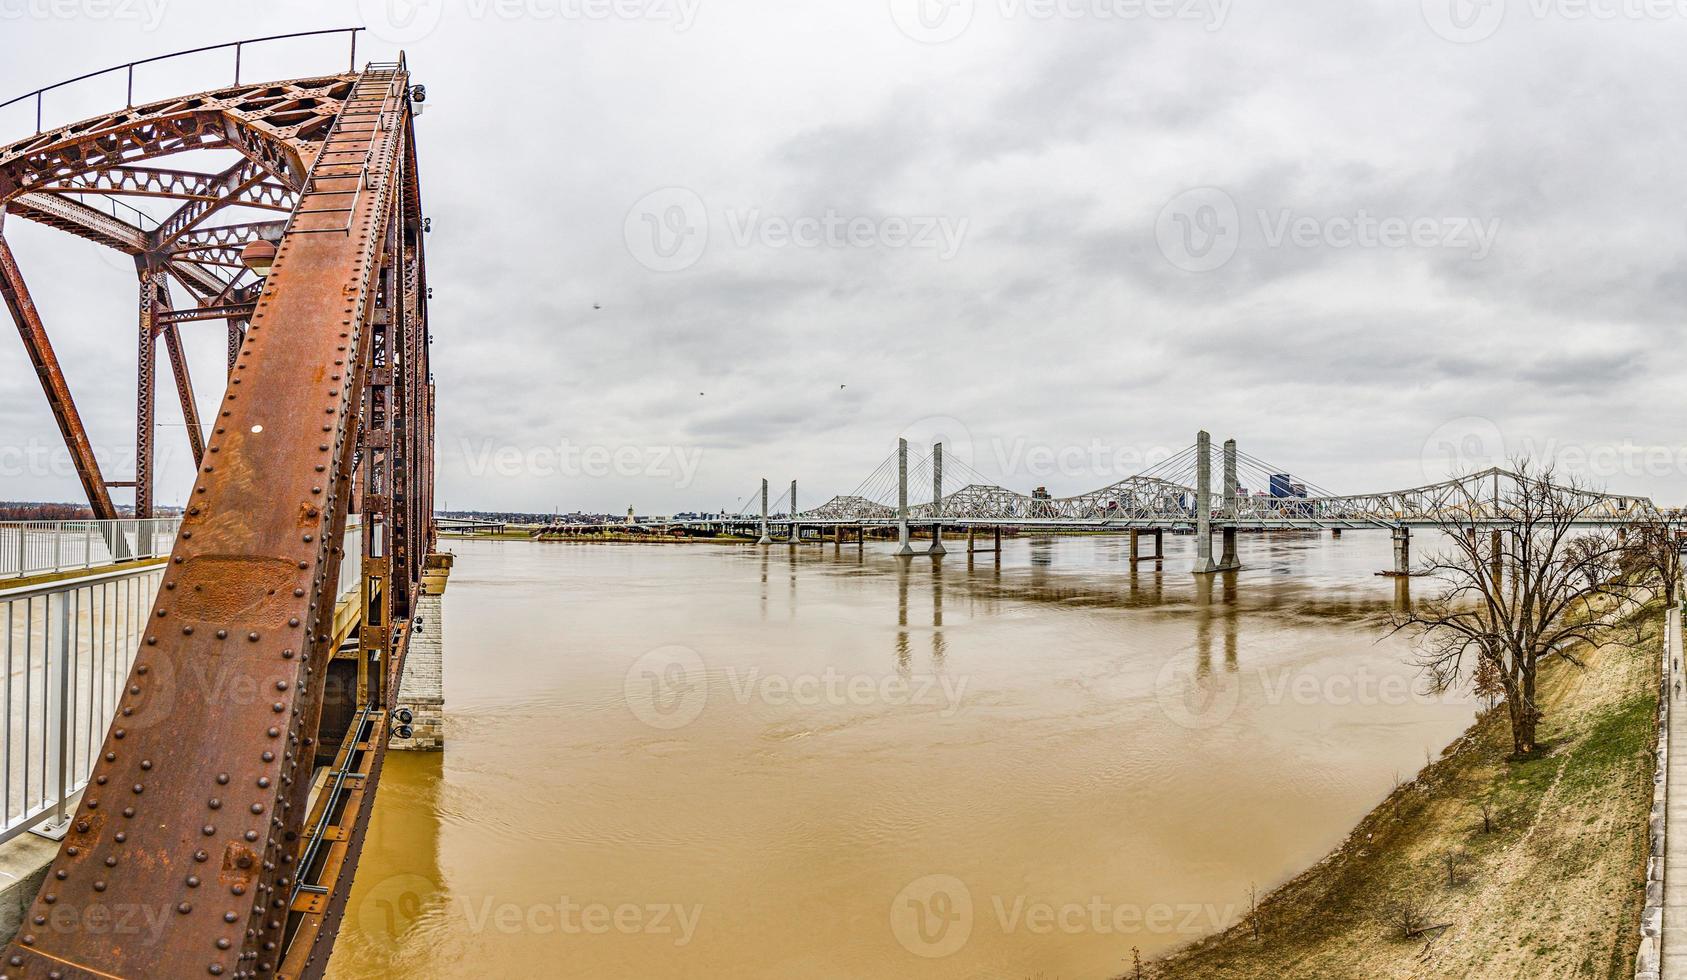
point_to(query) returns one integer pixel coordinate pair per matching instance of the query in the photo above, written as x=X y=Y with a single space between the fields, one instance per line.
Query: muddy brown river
x=721 y=761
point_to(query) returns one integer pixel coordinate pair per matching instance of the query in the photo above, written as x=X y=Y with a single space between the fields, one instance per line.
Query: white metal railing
x=45 y=547
x=66 y=648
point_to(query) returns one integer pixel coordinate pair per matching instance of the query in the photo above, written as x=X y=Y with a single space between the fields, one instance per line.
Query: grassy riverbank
x=1554 y=890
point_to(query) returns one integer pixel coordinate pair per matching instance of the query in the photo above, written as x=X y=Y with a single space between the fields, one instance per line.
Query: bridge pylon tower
x=904 y=546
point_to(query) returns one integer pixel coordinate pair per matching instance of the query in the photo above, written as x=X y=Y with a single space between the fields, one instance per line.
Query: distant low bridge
x=1179 y=494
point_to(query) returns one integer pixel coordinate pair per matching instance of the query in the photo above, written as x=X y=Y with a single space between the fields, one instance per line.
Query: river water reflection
x=723 y=761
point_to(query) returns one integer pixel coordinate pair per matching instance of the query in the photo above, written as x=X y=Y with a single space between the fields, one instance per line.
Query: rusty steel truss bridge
x=232 y=793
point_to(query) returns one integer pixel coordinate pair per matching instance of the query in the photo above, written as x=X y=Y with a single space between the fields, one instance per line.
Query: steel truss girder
x=280 y=125
x=1147 y=502
x=219 y=839
x=175 y=184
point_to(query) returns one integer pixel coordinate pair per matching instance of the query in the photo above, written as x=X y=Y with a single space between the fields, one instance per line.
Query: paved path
x=1675 y=836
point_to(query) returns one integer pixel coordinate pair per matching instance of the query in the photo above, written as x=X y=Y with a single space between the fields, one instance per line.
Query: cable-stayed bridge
x=1179 y=494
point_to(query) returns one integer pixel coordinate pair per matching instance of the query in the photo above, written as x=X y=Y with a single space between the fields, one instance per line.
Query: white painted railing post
x=58 y=707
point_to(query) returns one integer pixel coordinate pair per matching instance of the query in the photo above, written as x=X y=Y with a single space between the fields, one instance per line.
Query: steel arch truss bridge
x=233 y=789
x=1168 y=496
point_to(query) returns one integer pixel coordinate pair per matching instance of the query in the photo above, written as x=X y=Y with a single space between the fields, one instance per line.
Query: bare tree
x=1487 y=816
x=1654 y=552
x=1410 y=915
x=1455 y=861
x=1525 y=571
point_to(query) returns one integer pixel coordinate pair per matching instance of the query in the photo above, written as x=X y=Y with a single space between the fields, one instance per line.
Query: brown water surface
x=722 y=761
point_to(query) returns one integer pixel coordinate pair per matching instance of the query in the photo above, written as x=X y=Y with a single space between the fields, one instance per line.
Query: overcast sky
x=1369 y=240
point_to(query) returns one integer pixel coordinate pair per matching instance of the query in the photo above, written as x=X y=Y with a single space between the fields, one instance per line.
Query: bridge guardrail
x=66 y=648
x=45 y=547
x=35 y=102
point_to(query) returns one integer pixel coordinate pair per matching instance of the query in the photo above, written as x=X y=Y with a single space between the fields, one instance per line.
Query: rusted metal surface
x=196 y=816
x=278 y=128
x=40 y=350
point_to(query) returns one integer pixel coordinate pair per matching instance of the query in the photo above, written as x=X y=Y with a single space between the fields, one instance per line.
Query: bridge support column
x=796 y=530
x=1159 y=544
x=1135 y=554
x=937 y=501
x=1402 y=551
x=903 y=547
x=1228 y=561
x=764 y=537
x=421 y=691
x=1335 y=532
x=972 y=539
x=1204 y=564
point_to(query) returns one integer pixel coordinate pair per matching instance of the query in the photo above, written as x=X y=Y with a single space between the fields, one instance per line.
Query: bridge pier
x=764 y=539
x=1204 y=564
x=903 y=547
x=1159 y=546
x=937 y=501
x=796 y=530
x=1402 y=552
x=1229 y=562
x=421 y=691
x=1335 y=532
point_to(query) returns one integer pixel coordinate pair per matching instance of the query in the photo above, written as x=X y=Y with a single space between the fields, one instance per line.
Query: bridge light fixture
x=258 y=255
